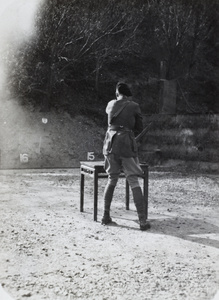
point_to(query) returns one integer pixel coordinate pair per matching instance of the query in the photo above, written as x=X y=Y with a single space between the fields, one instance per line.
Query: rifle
x=139 y=137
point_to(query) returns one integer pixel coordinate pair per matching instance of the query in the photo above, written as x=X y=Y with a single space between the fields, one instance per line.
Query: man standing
x=120 y=150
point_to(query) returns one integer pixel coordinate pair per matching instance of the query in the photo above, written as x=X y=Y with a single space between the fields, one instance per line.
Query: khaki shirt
x=122 y=141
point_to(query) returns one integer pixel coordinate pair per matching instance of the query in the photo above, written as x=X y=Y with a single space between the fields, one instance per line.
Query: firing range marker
x=44 y=120
x=24 y=158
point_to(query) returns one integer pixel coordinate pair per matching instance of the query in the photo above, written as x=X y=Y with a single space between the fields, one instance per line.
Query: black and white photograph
x=109 y=149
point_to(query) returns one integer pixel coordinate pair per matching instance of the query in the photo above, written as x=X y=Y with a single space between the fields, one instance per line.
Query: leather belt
x=118 y=128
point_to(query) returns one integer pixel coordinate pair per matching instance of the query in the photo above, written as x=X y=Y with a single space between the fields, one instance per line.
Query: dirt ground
x=50 y=250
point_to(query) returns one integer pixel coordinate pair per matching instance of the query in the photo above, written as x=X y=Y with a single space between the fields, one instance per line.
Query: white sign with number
x=90 y=156
x=24 y=158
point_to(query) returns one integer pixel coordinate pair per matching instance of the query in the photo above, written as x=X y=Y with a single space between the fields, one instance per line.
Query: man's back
x=130 y=116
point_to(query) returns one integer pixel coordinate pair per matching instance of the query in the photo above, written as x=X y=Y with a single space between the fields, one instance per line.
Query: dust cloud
x=17 y=25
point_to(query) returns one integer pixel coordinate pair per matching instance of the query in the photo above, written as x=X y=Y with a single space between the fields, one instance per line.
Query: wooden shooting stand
x=95 y=169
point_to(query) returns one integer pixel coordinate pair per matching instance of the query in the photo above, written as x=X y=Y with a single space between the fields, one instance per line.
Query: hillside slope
x=32 y=139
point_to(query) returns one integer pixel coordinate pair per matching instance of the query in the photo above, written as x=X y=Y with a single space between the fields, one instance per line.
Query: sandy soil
x=49 y=250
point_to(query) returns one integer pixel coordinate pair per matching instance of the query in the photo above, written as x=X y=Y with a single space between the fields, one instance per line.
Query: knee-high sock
x=108 y=196
x=139 y=203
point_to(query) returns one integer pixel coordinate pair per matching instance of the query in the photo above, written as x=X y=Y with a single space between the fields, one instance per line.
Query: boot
x=108 y=196
x=139 y=203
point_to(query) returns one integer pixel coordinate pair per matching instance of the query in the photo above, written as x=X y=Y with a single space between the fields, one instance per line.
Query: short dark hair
x=123 y=89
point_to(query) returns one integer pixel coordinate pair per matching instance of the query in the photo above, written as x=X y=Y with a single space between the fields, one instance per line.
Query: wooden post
x=127 y=194
x=95 y=193
x=82 y=193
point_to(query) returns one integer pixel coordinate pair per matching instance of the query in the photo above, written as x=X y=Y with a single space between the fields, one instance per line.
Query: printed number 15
x=90 y=156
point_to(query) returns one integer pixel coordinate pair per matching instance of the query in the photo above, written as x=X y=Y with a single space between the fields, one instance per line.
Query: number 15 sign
x=90 y=156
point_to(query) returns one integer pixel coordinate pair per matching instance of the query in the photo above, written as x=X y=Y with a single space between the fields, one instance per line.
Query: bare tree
x=78 y=43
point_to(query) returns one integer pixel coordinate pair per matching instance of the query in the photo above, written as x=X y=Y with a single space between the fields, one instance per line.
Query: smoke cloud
x=17 y=20
x=16 y=25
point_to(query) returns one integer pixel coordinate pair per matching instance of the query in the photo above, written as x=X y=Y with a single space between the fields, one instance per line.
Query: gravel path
x=49 y=250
